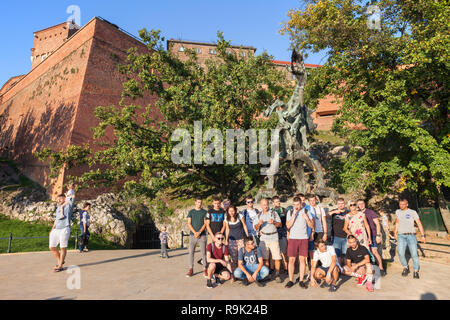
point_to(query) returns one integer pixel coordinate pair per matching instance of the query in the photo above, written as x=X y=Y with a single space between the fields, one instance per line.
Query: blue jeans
x=251 y=268
x=409 y=240
x=340 y=246
x=84 y=237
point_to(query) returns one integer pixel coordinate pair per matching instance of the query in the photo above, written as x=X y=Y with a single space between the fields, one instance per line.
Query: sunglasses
x=352 y=204
x=220 y=238
x=249 y=201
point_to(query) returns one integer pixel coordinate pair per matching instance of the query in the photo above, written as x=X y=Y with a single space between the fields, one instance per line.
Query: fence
x=11 y=238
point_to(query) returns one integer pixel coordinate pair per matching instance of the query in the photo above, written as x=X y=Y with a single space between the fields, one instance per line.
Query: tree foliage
x=392 y=83
x=228 y=92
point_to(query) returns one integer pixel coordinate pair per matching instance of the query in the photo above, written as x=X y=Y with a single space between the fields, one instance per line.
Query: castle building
x=74 y=69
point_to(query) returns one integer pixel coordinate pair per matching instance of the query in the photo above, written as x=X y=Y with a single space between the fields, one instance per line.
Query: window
x=242 y=54
x=229 y=52
x=293 y=77
x=198 y=50
x=181 y=49
x=212 y=51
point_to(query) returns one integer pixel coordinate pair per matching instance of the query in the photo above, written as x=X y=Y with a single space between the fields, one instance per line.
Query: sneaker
x=363 y=280
x=369 y=286
x=259 y=283
x=359 y=280
x=205 y=273
x=324 y=284
x=405 y=271
x=245 y=282
x=209 y=284
x=302 y=285
x=332 y=288
x=190 y=273
x=289 y=284
x=383 y=272
x=416 y=275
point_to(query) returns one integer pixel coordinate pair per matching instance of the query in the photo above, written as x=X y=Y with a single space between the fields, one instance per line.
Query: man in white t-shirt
x=329 y=268
x=405 y=233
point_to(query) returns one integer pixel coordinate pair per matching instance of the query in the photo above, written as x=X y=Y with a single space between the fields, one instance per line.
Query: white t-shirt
x=252 y=214
x=318 y=212
x=325 y=257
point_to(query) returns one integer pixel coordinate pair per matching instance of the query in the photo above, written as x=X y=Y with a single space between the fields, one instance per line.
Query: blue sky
x=248 y=22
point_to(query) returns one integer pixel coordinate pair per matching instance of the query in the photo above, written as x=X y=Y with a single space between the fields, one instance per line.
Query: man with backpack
x=251 y=266
x=250 y=214
x=282 y=232
x=267 y=223
x=219 y=263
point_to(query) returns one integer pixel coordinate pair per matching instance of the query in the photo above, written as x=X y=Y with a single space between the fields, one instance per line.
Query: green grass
x=328 y=136
x=34 y=229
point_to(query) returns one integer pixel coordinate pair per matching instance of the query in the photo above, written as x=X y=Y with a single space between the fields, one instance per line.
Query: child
x=163 y=236
x=70 y=196
x=84 y=227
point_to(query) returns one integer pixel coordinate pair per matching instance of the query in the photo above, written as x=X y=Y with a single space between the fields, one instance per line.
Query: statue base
x=265 y=193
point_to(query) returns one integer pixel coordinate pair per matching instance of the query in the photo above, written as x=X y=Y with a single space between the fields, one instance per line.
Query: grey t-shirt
x=406 y=220
x=268 y=227
x=299 y=229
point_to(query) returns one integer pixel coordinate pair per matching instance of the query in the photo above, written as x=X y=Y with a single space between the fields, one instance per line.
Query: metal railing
x=11 y=238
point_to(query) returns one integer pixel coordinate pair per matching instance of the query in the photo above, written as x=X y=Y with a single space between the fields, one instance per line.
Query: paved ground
x=142 y=274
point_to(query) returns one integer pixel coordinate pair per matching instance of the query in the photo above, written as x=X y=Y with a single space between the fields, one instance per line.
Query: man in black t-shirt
x=358 y=263
x=338 y=233
x=214 y=219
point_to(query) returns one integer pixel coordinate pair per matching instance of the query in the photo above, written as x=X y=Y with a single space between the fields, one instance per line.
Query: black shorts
x=219 y=268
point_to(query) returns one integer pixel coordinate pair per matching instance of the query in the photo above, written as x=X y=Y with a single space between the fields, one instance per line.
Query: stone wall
x=106 y=221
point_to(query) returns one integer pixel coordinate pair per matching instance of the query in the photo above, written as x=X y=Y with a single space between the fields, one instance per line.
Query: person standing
x=356 y=224
x=375 y=231
x=297 y=221
x=235 y=232
x=282 y=232
x=358 y=263
x=196 y=222
x=84 y=227
x=386 y=235
x=251 y=266
x=164 y=237
x=250 y=214
x=406 y=236
x=60 y=233
x=267 y=222
x=338 y=233
x=329 y=268
x=320 y=226
x=214 y=219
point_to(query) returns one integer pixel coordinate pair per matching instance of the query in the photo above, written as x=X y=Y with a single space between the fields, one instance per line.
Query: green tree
x=392 y=83
x=229 y=92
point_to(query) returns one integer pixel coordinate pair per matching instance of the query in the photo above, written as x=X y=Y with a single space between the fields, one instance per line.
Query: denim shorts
x=374 y=242
x=340 y=246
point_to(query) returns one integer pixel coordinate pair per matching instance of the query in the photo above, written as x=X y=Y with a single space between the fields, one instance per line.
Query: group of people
x=60 y=232
x=254 y=245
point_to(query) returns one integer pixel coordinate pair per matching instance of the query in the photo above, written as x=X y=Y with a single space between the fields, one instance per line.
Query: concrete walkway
x=142 y=274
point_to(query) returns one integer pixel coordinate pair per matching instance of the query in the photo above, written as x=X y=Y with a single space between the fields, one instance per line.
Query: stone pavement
x=142 y=274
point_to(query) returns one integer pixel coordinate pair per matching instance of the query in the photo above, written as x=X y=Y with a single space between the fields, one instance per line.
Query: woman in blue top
x=235 y=232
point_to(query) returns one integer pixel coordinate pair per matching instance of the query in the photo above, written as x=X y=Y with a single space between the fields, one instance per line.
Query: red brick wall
x=52 y=106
